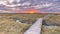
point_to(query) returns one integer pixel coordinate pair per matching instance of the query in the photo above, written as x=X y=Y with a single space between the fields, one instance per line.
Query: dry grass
x=53 y=20
x=50 y=30
x=9 y=26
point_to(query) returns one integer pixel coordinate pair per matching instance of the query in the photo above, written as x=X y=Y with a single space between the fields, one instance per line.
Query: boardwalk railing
x=35 y=28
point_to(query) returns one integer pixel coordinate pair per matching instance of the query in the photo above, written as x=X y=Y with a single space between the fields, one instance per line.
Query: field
x=50 y=30
x=8 y=24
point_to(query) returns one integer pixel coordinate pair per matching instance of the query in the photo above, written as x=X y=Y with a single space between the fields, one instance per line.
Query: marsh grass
x=50 y=30
x=9 y=26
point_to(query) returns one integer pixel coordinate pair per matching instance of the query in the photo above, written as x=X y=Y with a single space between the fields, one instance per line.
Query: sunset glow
x=31 y=11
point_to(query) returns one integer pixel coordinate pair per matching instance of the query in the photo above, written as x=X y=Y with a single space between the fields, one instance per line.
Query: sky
x=21 y=6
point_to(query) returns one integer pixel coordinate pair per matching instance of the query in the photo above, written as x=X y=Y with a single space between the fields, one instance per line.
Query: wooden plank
x=35 y=28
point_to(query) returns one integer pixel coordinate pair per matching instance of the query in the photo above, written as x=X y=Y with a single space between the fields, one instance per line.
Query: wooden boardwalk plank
x=35 y=28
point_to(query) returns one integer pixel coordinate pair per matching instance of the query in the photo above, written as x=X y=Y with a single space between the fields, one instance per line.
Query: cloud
x=26 y=3
x=55 y=0
x=43 y=5
x=9 y=3
x=13 y=5
x=3 y=2
x=47 y=5
x=18 y=1
x=2 y=11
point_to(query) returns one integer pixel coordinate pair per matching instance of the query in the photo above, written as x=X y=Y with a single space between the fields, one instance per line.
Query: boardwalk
x=35 y=28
